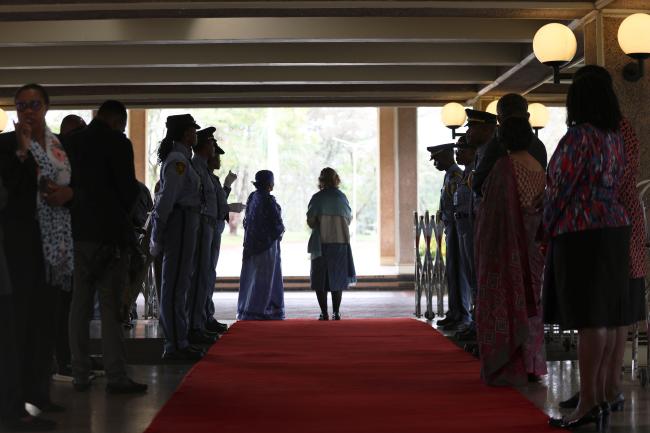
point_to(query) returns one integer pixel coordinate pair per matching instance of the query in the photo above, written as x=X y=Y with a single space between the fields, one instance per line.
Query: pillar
x=387 y=137
x=138 y=135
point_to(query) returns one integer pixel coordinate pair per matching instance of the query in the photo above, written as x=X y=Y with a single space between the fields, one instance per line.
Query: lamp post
x=3 y=119
x=634 y=40
x=453 y=116
x=555 y=45
x=538 y=116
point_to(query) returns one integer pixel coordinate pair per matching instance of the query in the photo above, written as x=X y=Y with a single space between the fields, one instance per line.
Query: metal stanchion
x=440 y=271
x=418 y=266
x=428 y=266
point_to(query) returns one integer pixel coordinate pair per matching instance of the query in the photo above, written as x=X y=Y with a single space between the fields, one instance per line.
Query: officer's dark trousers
x=203 y=279
x=98 y=269
x=216 y=247
x=467 y=278
x=458 y=309
x=179 y=246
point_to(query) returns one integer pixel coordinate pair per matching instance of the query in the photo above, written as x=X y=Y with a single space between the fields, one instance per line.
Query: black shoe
x=467 y=335
x=31 y=423
x=49 y=407
x=215 y=327
x=198 y=337
x=446 y=321
x=618 y=404
x=595 y=415
x=571 y=403
x=323 y=317
x=336 y=316
x=126 y=386
x=183 y=355
x=453 y=326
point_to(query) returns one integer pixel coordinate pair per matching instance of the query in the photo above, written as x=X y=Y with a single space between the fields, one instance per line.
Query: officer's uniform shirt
x=222 y=194
x=210 y=206
x=463 y=198
x=453 y=177
x=180 y=186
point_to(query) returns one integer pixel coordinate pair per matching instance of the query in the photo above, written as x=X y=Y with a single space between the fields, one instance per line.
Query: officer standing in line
x=176 y=218
x=203 y=282
x=443 y=160
x=463 y=216
x=222 y=192
x=481 y=129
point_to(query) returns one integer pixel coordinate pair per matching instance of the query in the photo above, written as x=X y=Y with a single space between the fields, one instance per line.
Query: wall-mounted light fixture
x=453 y=116
x=3 y=119
x=634 y=39
x=555 y=45
x=538 y=116
x=492 y=107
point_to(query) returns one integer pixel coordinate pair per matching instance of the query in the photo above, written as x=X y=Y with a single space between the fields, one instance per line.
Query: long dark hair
x=167 y=143
x=591 y=99
x=515 y=134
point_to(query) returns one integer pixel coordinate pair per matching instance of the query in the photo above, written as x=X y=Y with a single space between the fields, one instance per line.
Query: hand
x=57 y=196
x=155 y=249
x=236 y=207
x=23 y=136
x=230 y=178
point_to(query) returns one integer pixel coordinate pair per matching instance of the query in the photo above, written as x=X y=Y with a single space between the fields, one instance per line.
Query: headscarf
x=263 y=179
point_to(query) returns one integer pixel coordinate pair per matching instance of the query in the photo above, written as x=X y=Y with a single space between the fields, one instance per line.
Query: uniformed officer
x=176 y=217
x=481 y=128
x=443 y=160
x=464 y=223
x=224 y=209
x=204 y=274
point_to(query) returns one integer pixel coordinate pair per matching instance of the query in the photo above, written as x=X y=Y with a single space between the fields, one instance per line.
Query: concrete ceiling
x=232 y=53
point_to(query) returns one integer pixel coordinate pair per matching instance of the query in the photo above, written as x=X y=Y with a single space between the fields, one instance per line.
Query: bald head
x=70 y=124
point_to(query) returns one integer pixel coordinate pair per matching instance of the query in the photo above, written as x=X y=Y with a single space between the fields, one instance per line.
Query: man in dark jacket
x=510 y=105
x=103 y=179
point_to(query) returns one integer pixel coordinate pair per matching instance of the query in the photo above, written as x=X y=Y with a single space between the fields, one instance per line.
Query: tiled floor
x=97 y=412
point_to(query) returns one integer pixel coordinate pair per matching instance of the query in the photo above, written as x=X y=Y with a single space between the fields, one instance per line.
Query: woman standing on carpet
x=332 y=267
x=587 y=276
x=508 y=311
x=261 y=292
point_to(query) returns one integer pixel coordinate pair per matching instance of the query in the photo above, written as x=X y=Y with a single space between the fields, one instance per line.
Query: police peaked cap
x=436 y=150
x=462 y=143
x=181 y=121
x=207 y=134
x=476 y=117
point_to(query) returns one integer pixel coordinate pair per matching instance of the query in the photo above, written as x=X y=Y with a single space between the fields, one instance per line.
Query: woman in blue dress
x=261 y=292
x=332 y=266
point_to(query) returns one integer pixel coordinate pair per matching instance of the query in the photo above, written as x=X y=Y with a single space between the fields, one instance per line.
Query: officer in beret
x=464 y=219
x=443 y=160
x=176 y=218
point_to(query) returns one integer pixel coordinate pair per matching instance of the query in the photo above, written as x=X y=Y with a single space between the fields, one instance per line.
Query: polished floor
x=97 y=412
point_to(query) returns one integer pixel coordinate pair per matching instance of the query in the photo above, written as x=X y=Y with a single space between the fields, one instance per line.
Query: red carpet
x=356 y=376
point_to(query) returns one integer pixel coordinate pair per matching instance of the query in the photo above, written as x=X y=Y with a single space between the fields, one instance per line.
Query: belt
x=461 y=215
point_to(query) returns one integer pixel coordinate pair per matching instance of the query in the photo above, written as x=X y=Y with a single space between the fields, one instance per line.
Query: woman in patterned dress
x=509 y=264
x=586 y=285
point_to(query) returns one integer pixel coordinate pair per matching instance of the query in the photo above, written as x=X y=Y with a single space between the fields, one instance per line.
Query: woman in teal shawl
x=332 y=266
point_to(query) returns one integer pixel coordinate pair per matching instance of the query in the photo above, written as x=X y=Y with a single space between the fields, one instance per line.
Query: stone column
x=138 y=135
x=406 y=175
x=398 y=193
x=387 y=138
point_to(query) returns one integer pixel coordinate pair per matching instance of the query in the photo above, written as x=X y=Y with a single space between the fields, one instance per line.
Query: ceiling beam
x=251 y=76
x=13 y=10
x=190 y=55
x=168 y=31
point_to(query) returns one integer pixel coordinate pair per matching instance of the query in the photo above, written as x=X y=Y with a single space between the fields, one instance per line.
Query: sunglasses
x=34 y=105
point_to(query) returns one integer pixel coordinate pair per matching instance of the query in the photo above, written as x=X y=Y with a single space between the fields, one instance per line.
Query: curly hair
x=328 y=178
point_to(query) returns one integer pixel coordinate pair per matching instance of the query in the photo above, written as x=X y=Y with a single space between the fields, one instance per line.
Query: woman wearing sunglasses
x=35 y=169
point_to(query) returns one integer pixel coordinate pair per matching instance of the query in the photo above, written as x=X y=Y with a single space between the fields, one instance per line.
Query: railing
x=430 y=275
